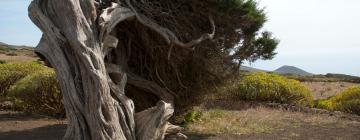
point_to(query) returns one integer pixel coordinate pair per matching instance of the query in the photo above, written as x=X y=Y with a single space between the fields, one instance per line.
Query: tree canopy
x=238 y=38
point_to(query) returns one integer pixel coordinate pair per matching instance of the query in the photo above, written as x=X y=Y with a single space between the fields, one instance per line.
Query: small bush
x=6 y=49
x=192 y=116
x=38 y=93
x=347 y=101
x=11 y=54
x=2 y=61
x=273 y=88
x=12 y=72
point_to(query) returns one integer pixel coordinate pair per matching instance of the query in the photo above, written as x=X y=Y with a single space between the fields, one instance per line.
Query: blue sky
x=319 y=36
x=15 y=26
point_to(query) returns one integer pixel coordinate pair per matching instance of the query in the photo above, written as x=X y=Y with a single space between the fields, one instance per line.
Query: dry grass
x=260 y=120
x=8 y=58
x=323 y=90
x=22 y=55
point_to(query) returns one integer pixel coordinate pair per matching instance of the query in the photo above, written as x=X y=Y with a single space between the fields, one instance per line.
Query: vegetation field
x=243 y=121
x=228 y=115
x=230 y=110
x=323 y=90
x=10 y=53
x=217 y=122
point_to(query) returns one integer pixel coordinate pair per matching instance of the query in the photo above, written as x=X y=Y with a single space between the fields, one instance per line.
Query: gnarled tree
x=119 y=62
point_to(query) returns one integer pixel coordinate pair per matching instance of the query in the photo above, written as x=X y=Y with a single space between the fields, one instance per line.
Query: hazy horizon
x=317 y=36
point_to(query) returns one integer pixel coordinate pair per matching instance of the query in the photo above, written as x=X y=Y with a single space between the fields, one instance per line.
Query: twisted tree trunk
x=77 y=37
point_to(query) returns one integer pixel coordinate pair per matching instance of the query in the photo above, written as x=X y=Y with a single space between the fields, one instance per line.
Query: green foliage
x=192 y=116
x=263 y=47
x=272 y=88
x=347 y=101
x=247 y=8
x=38 y=93
x=2 y=61
x=246 y=18
x=12 y=72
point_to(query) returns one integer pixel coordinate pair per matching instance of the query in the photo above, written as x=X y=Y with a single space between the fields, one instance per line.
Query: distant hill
x=292 y=71
x=344 y=77
x=4 y=45
x=250 y=69
x=302 y=75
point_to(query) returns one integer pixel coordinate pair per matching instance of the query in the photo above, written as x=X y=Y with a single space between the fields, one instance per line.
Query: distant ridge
x=292 y=70
x=4 y=45
x=250 y=69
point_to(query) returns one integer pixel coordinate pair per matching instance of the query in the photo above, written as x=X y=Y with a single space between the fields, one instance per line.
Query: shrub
x=11 y=54
x=269 y=87
x=192 y=116
x=12 y=72
x=347 y=101
x=38 y=93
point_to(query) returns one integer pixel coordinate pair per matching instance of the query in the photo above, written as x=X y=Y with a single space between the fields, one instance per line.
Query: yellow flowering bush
x=32 y=87
x=38 y=93
x=269 y=87
x=12 y=72
x=347 y=101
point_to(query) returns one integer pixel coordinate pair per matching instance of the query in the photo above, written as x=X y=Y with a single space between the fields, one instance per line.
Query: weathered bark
x=76 y=39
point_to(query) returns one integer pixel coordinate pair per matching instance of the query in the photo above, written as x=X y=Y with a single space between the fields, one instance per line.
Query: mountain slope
x=7 y=46
x=292 y=70
x=250 y=69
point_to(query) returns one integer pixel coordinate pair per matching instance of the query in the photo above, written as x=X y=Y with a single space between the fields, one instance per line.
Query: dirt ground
x=305 y=132
x=294 y=126
x=240 y=121
x=18 y=55
x=18 y=126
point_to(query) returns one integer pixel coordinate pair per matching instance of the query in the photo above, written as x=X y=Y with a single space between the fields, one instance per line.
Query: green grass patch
x=192 y=116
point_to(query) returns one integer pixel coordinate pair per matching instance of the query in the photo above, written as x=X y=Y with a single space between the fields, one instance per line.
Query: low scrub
x=269 y=87
x=12 y=72
x=38 y=93
x=192 y=116
x=347 y=101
